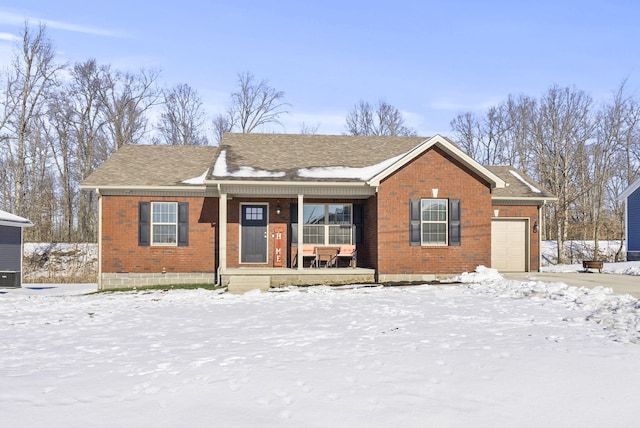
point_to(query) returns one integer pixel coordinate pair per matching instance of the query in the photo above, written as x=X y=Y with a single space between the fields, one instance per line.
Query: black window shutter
x=358 y=220
x=183 y=224
x=454 y=221
x=144 y=228
x=414 y=222
x=293 y=211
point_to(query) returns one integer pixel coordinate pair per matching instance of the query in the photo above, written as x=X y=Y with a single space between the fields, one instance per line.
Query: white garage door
x=508 y=245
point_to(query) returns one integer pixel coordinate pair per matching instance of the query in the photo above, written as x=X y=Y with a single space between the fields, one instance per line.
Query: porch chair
x=347 y=252
x=308 y=252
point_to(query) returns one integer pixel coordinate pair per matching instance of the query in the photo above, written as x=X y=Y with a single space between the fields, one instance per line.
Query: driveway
x=623 y=284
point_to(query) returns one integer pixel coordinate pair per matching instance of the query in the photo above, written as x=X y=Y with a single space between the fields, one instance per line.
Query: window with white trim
x=164 y=223
x=327 y=224
x=433 y=221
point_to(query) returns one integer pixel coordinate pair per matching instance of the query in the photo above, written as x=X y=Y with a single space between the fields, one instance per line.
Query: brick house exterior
x=414 y=209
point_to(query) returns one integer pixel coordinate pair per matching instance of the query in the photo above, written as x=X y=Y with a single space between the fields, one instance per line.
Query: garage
x=509 y=245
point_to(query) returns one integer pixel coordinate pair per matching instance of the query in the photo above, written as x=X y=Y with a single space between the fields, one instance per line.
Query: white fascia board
x=201 y=188
x=523 y=199
x=8 y=219
x=629 y=190
x=15 y=224
x=496 y=181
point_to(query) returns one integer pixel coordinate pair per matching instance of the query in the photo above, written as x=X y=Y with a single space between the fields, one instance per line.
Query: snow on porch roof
x=8 y=219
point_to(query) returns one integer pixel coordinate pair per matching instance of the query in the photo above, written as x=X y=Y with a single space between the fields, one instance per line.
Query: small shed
x=631 y=199
x=11 y=248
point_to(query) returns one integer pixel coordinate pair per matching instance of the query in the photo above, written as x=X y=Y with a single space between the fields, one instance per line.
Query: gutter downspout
x=222 y=217
x=540 y=229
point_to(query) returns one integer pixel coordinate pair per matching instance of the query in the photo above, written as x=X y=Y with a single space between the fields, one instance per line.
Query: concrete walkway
x=623 y=284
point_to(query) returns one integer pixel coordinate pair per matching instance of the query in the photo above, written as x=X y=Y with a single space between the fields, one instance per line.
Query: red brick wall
x=120 y=250
x=525 y=211
x=434 y=169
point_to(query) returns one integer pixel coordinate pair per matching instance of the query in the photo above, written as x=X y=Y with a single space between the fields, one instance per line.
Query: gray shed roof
x=146 y=165
x=518 y=185
x=8 y=219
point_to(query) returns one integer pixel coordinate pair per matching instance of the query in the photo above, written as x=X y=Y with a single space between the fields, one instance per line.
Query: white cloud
x=8 y=37
x=19 y=19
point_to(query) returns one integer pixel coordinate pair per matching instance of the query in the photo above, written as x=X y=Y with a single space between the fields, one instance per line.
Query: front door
x=254 y=234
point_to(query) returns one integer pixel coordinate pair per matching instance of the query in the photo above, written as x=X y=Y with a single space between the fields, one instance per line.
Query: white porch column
x=99 y=239
x=300 y=230
x=222 y=216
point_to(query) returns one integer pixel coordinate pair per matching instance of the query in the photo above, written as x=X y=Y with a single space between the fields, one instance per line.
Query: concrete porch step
x=244 y=283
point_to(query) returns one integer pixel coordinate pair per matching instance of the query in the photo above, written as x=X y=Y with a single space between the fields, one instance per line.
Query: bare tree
x=468 y=134
x=183 y=118
x=562 y=128
x=521 y=111
x=381 y=120
x=221 y=124
x=255 y=104
x=76 y=136
x=58 y=132
x=613 y=169
x=126 y=99
x=309 y=129
x=33 y=74
x=497 y=138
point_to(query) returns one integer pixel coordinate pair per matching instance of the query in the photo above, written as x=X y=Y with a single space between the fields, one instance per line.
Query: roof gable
x=8 y=219
x=630 y=190
x=449 y=148
x=335 y=158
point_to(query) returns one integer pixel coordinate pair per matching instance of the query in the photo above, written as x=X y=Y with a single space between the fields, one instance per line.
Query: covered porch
x=260 y=226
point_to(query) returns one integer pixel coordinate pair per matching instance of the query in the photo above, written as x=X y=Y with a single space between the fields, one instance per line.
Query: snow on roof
x=363 y=173
x=197 y=180
x=525 y=182
x=220 y=170
x=8 y=219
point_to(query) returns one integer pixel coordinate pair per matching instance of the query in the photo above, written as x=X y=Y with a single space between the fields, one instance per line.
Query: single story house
x=11 y=247
x=265 y=210
x=631 y=199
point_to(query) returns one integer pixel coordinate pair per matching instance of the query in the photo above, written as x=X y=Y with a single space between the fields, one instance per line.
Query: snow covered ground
x=60 y=262
x=486 y=353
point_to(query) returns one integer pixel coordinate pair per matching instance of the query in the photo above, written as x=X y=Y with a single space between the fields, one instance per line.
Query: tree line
x=584 y=153
x=59 y=122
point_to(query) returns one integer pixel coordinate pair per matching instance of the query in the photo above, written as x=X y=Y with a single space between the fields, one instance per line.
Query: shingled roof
x=519 y=186
x=146 y=165
x=279 y=157
x=282 y=156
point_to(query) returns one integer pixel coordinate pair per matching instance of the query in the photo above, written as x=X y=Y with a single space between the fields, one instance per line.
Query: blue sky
x=430 y=59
